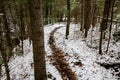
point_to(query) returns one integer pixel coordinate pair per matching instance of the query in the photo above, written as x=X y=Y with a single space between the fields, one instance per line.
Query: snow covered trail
x=59 y=61
x=20 y=68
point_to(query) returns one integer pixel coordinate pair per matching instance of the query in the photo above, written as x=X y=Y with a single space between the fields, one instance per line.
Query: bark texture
x=87 y=16
x=36 y=27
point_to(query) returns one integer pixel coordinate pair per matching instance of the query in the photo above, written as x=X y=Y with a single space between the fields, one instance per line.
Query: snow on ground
x=75 y=46
x=20 y=66
x=81 y=52
x=50 y=68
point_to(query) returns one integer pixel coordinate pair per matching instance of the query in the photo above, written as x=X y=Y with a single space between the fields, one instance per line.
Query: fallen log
x=109 y=65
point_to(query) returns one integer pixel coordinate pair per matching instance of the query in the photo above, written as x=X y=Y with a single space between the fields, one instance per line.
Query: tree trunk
x=94 y=12
x=110 y=29
x=104 y=22
x=106 y=13
x=22 y=26
x=87 y=16
x=36 y=27
x=100 y=42
x=50 y=11
x=3 y=51
x=82 y=15
x=68 y=18
x=4 y=56
x=0 y=71
x=7 y=30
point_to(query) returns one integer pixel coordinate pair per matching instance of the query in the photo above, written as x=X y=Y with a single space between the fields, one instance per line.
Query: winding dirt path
x=59 y=61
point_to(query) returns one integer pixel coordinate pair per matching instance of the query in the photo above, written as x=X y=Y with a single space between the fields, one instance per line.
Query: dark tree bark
x=0 y=71
x=104 y=22
x=87 y=16
x=36 y=27
x=94 y=12
x=2 y=47
x=110 y=29
x=7 y=30
x=68 y=19
x=22 y=25
x=109 y=65
x=50 y=11
x=82 y=15
x=4 y=57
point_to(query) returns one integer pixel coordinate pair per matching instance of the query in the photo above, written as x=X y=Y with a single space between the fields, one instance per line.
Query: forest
x=59 y=39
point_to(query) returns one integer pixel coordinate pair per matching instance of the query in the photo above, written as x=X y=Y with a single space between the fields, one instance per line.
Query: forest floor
x=74 y=54
x=59 y=61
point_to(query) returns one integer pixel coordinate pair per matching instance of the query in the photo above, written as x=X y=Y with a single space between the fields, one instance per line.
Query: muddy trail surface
x=58 y=59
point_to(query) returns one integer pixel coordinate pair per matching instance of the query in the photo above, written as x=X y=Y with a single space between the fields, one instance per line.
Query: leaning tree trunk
x=104 y=22
x=68 y=19
x=36 y=27
x=110 y=29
